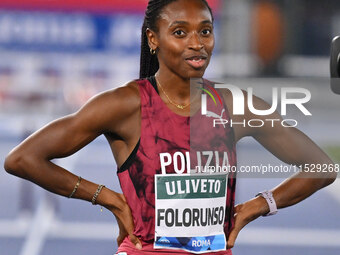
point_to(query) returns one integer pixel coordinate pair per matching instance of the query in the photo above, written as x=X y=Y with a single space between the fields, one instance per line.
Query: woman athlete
x=177 y=43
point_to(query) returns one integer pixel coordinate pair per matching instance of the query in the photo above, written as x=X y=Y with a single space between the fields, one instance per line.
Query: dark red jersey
x=163 y=131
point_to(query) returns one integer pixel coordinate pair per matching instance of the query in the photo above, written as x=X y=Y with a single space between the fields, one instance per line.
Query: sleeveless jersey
x=165 y=131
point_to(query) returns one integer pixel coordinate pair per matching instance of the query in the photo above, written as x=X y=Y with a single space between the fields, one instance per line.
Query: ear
x=152 y=39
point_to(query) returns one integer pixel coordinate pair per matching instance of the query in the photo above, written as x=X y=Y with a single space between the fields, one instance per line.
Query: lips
x=197 y=61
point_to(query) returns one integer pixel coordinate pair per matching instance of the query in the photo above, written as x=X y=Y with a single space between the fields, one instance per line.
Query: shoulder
x=111 y=107
x=125 y=97
x=126 y=94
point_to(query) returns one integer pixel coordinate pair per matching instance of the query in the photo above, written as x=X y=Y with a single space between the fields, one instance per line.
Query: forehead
x=185 y=10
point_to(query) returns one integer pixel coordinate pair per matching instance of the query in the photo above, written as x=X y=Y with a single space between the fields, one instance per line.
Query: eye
x=179 y=33
x=206 y=31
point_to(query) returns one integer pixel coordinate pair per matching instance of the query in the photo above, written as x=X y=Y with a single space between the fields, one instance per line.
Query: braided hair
x=148 y=62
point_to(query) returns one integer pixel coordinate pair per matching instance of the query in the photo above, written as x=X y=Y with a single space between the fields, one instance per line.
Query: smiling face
x=185 y=39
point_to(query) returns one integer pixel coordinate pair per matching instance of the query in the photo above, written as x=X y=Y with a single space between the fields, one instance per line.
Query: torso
x=162 y=130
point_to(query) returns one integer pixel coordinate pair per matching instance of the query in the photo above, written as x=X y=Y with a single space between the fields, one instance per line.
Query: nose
x=195 y=42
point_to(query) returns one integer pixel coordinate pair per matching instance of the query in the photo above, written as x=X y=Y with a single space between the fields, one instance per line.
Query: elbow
x=331 y=178
x=327 y=179
x=332 y=173
x=14 y=164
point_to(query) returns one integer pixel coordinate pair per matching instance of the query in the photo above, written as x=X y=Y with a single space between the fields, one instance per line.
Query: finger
x=121 y=196
x=136 y=242
x=232 y=237
x=234 y=232
x=120 y=240
x=237 y=208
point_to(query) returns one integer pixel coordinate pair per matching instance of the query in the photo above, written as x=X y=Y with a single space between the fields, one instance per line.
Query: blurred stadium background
x=55 y=55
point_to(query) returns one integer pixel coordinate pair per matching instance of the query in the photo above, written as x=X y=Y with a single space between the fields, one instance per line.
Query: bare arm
x=293 y=147
x=107 y=113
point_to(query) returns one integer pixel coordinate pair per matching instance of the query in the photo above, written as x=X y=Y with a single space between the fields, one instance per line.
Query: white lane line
x=14 y=228
x=248 y=236
x=61 y=230
x=38 y=229
x=84 y=230
x=43 y=218
x=289 y=237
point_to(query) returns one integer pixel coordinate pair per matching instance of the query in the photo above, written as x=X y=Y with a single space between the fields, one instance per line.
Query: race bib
x=190 y=212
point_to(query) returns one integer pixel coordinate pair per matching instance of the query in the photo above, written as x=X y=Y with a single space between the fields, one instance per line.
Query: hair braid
x=148 y=62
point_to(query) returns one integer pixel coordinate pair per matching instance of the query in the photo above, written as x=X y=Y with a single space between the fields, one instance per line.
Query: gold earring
x=152 y=51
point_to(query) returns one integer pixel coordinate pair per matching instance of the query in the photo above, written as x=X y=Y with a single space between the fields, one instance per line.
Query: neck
x=175 y=92
x=176 y=87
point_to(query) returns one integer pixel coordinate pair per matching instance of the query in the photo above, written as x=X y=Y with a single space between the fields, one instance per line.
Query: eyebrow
x=175 y=23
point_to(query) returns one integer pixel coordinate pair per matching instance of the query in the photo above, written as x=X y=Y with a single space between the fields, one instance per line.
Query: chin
x=196 y=74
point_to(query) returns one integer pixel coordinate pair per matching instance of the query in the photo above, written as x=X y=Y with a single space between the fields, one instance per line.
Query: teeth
x=195 y=59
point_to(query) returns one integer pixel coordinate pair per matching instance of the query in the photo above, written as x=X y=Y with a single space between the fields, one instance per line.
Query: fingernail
x=138 y=246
